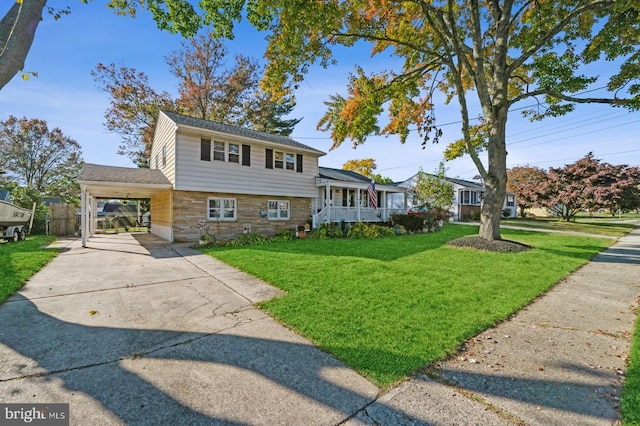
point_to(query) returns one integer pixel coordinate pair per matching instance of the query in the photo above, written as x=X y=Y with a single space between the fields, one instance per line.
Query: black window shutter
x=246 y=155
x=269 y=159
x=205 y=149
x=299 y=163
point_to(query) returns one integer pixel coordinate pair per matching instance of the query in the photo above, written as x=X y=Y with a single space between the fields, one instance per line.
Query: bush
x=361 y=230
x=411 y=222
x=284 y=235
x=435 y=218
x=326 y=230
x=506 y=213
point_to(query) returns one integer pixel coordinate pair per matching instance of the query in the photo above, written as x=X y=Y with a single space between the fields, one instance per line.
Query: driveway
x=132 y=330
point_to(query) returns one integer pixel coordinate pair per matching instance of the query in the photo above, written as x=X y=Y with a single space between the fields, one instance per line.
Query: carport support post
x=83 y=215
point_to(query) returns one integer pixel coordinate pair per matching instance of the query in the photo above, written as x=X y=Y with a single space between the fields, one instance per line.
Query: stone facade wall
x=161 y=208
x=190 y=207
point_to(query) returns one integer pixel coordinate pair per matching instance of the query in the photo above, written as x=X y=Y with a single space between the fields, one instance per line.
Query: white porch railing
x=353 y=214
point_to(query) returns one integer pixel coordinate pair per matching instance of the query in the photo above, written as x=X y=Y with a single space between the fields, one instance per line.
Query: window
x=164 y=155
x=290 y=161
x=511 y=200
x=221 y=208
x=157 y=162
x=278 y=210
x=218 y=151
x=282 y=160
x=234 y=153
x=279 y=160
x=205 y=149
x=469 y=198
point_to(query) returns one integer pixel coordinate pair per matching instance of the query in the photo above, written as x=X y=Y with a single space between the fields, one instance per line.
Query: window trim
x=278 y=210
x=222 y=209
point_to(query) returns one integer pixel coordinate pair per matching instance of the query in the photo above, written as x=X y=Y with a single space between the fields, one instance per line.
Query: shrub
x=361 y=230
x=506 y=213
x=434 y=218
x=284 y=235
x=326 y=230
x=411 y=222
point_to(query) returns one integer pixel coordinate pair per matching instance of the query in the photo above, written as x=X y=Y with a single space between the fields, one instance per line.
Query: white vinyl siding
x=163 y=150
x=251 y=178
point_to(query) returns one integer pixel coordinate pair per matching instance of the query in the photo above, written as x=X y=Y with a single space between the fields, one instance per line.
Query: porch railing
x=353 y=214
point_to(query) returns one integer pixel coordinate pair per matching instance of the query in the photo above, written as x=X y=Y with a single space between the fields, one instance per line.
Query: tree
x=133 y=109
x=588 y=184
x=37 y=157
x=365 y=167
x=212 y=90
x=208 y=89
x=524 y=182
x=433 y=191
x=495 y=53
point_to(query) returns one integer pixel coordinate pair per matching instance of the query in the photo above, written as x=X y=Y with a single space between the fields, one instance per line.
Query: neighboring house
x=226 y=180
x=467 y=197
x=344 y=196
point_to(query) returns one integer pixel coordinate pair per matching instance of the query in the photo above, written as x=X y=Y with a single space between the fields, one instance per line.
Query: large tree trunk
x=496 y=180
x=17 y=30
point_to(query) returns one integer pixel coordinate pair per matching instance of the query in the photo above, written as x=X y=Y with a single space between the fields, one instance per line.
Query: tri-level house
x=207 y=177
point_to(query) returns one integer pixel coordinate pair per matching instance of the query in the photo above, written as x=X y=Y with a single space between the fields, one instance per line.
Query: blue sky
x=65 y=95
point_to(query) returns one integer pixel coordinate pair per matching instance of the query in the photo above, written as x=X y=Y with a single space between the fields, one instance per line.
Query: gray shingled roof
x=344 y=175
x=185 y=120
x=97 y=173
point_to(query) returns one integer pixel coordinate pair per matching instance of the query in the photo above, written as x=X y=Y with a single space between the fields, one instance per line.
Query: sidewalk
x=560 y=361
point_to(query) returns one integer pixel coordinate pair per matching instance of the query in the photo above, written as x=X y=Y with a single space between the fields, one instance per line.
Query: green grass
x=390 y=306
x=631 y=394
x=20 y=260
x=591 y=225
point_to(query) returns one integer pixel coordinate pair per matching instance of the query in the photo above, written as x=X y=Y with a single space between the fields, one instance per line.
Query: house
x=208 y=177
x=467 y=198
x=345 y=196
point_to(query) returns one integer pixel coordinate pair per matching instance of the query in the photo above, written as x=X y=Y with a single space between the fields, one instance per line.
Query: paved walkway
x=132 y=330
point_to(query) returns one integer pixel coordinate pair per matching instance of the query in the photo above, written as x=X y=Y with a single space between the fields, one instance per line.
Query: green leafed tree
x=433 y=191
x=494 y=54
x=40 y=158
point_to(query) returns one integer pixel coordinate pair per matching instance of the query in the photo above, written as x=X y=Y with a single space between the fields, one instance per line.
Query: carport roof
x=122 y=182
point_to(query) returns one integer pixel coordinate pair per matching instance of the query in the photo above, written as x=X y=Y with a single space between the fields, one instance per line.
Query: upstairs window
x=205 y=149
x=218 y=151
x=234 y=153
x=283 y=160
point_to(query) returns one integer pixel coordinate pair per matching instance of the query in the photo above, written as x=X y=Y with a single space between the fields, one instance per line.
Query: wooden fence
x=62 y=220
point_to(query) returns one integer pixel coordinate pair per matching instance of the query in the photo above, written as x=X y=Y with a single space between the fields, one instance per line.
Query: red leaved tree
x=524 y=182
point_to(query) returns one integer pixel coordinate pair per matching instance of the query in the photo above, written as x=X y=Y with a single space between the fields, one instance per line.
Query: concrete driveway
x=131 y=330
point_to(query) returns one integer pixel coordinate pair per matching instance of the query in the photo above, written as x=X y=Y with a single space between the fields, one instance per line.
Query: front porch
x=344 y=196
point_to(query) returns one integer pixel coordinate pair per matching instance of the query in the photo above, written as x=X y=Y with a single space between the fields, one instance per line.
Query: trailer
x=15 y=221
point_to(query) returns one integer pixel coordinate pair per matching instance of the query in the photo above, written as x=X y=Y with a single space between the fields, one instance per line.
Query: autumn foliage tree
x=524 y=181
x=588 y=184
x=495 y=54
x=366 y=167
x=208 y=88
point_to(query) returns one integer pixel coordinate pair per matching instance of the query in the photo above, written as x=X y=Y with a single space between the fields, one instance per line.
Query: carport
x=97 y=181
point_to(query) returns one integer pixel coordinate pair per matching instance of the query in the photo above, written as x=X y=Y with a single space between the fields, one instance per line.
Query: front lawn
x=390 y=306
x=20 y=260
x=591 y=225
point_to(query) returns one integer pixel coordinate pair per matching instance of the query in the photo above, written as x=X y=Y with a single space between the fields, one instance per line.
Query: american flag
x=373 y=196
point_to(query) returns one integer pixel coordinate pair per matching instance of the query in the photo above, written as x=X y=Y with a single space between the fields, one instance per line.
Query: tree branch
x=17 y=30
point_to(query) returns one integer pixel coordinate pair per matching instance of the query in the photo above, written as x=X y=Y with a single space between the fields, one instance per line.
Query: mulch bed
x=480 y=243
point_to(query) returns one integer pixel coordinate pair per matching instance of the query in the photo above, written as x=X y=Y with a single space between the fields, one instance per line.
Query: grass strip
x=21 y=260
